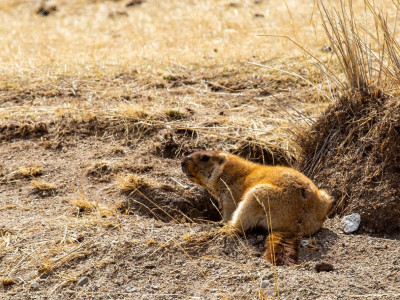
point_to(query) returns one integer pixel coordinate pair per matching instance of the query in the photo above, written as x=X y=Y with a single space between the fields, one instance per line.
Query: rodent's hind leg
x=251 y=211
x=243 y=218
x=248 y=214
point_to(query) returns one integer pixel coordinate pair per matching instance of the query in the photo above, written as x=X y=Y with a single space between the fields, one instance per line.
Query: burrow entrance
x=170 y=204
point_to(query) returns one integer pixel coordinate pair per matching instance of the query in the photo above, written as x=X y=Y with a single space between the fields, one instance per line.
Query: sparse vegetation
x=359 y=135
x=83 y=205
x=175 y=114
x=369 y=59
x=42 y=185
x=29 y=171
x=7 y=281
x=161 y=79
x=133 y=182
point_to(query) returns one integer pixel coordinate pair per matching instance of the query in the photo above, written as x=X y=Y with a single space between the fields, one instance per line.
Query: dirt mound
x=354 y=152
x=22 y=130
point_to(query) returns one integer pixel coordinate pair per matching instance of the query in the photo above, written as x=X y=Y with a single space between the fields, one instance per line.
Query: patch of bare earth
x=94 y=204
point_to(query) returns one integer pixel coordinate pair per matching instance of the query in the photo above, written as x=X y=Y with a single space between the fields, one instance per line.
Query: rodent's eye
x=205 y=158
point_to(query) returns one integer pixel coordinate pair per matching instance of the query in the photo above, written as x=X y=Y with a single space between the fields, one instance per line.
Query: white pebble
x=34 y=285
x=350 y=223
x=83 y=281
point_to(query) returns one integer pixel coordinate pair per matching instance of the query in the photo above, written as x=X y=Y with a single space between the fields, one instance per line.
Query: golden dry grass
x=7 y=281
x=80 y=39
x=84 y=205
x=368 y=57
x=84 y=46
x=80 y=50
x=133 y=182
x=29 y=171
x=43 y=186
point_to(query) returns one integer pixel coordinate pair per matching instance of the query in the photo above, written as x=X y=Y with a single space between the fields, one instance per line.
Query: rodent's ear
x=222 y=158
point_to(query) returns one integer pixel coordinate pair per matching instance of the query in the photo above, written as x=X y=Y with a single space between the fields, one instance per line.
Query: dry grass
x=8 y=206
x=133 y=112
x=355 y=131
x=369 y=57
x=133 y=182
x=121 y=64
x=85 y=206
x=65 y=241
x=67 y=44
x=80 y=39
x=214 y=33
x=43 y=186
x=152 y=79
x=7 y=281
x=29 y=171
x=367 y=52
x=99 y=169
x=176 y=114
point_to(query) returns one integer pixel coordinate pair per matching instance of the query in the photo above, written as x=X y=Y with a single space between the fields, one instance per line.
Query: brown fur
x=279 y=199
x=282 y=249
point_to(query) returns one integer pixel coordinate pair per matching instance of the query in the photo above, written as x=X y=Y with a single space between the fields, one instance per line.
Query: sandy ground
x=99 y=102
x=162 y=241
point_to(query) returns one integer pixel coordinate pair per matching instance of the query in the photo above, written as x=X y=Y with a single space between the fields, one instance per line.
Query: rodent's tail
x=325 y=196
x=282 y=248
x=327 y=200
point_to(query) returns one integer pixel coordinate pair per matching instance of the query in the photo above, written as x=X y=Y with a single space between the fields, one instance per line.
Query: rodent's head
x=204 y=167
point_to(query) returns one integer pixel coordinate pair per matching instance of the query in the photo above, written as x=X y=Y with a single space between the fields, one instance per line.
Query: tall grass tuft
x=368 y=58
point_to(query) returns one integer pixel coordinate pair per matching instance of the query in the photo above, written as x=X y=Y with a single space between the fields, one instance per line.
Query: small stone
x=265 y=284
x=381 y=247
x=83 y=281
x=134 y=3
x=324 y=267
x=34 y=285
x=304 y=243
x=350 y=223
x=132 y=290
x=45 y=10
x=326 y=48
x=150 y=267
x=154 y=287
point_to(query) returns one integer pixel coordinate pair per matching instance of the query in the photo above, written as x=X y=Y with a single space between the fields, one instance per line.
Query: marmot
x=279 y=199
